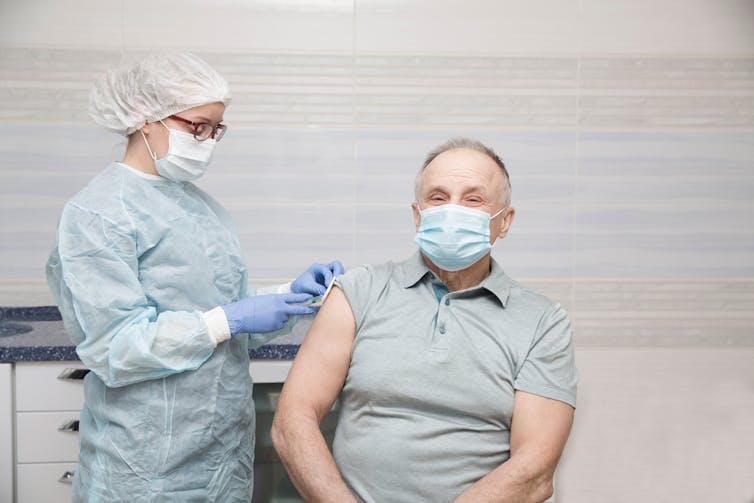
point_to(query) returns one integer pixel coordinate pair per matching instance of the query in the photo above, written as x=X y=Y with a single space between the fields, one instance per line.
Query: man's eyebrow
x=466 y=190
x=436 y=188
x=475 y=188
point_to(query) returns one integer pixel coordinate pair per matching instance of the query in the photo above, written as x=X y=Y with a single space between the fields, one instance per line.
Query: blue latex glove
x=317 y=278
x=264 y=313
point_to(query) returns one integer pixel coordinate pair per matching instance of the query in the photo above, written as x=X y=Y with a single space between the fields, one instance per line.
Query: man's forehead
x=462 y=163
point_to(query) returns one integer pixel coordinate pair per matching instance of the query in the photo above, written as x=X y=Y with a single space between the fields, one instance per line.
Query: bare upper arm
x=540 y=428
x=321 y=365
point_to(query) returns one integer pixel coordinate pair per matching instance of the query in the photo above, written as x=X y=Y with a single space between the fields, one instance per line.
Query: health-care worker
x=148 y=275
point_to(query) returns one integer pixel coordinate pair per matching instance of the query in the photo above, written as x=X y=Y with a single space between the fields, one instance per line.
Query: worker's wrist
x=217 y=325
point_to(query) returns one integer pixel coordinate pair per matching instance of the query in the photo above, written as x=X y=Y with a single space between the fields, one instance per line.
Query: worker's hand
x=317 y=278
x=264 y=313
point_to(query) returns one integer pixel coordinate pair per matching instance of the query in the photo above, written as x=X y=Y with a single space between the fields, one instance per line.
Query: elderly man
x=456 y=383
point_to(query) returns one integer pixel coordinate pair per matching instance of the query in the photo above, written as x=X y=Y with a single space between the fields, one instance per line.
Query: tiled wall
x=627 y=126
x=628 y=131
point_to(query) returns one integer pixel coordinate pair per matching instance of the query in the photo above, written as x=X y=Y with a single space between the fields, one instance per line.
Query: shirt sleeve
x=549 y=369
x=118 y=335
x=356 y=284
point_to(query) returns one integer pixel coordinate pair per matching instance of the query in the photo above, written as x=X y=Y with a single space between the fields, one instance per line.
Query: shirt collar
x=414 y=269
x=498 y=283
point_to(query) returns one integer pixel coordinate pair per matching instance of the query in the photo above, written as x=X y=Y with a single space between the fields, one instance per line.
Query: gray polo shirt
x=427 y=404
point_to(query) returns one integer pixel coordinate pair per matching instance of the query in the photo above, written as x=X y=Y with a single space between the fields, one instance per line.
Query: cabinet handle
x=67 y=477
x=70 y=425
x=73 y=374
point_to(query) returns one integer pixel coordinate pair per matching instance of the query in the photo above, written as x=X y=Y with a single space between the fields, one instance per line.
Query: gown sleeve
x=94 y=276
x=219 y=330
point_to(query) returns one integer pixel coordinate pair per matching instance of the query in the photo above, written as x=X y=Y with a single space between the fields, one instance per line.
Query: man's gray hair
x=458 y=143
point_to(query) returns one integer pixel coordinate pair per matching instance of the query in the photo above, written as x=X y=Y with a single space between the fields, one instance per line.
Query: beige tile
x=50 y=23
x=661 y=425
x=237 y=25
x=228 y=25
x=470 y=27
x=667 y=27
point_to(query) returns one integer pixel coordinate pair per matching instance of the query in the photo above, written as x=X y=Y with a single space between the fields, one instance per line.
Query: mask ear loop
x=151 y=154
x=496 y=214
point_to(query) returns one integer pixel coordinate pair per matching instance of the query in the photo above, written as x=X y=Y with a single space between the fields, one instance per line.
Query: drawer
x=36 y=483
x=38 y=439
x=39 y=389
x=269 y=371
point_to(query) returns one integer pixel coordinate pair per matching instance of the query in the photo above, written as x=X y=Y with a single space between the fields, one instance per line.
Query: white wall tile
x=48 y=23
x=628 y=158
x=660 y=425
x=279 y=243
x=383 y=233
x=667 y=27
x=470 y=27
x=536 y=255
x=180 y=24
x=280 y=168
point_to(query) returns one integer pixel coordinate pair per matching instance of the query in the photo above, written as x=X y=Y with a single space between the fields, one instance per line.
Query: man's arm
x=312 y=386
x=539 y=432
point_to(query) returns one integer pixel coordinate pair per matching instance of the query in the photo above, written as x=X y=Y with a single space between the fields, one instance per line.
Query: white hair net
x=126 y=98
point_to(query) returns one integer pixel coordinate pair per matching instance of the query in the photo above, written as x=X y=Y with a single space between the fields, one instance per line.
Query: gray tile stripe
x=51 y=86
x=683 y=314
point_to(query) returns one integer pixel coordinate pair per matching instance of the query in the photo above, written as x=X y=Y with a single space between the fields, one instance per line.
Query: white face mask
x=187 y=158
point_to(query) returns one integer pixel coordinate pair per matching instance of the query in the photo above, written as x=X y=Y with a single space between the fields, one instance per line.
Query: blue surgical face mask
x=454 y=237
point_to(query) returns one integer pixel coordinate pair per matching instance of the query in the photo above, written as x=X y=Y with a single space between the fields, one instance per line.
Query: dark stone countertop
x=37 y=334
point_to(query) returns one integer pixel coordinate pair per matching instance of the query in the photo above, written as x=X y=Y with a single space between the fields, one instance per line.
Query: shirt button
x=442 y=330
x=447 y=302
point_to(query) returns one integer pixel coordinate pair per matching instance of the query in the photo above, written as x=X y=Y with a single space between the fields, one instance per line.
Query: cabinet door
x=269 y=371
x=39 y=388
x=40 y=439
x=42 y=482
x=6 y=433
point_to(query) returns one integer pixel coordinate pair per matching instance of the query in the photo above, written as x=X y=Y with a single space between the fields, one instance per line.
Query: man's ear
x=507 y=219
x=417 y=215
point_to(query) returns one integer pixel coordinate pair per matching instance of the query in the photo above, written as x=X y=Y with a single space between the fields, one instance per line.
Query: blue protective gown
x=167 y=415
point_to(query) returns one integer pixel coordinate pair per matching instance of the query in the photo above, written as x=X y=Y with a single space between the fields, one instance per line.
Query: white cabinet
x=6 y=433
x=46 y=451
x=39 y=388
x=41 y=437
x=41 y=482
